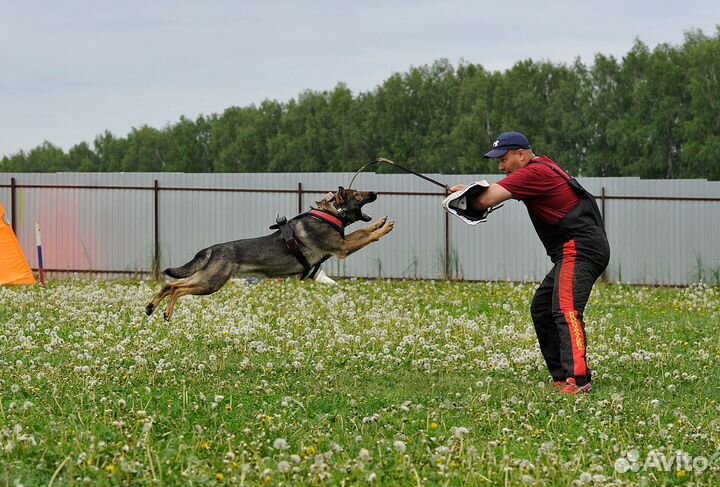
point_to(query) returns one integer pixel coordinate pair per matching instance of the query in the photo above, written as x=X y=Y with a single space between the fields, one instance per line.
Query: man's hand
x=494 y=195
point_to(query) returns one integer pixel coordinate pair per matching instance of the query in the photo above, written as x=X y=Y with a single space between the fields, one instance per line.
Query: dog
x=318 y=234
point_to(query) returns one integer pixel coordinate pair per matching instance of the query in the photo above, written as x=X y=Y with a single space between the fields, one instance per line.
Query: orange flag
x=14 y=269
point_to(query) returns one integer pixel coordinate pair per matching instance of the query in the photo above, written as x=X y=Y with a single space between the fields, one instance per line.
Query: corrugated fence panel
x=108 y=224
x=85 y=229
x=504 y=248
x=663 y=241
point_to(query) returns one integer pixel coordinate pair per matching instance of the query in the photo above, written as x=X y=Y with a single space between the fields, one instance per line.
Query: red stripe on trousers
x=567 y=306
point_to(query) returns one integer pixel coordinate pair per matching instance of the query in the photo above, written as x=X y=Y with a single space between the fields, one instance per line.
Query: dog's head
x=348 y=204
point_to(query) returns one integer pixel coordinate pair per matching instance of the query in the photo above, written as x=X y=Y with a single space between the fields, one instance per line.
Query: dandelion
x=364 y=455
x=280 y=444
x=283 y=466
x=459 y=432
x=400 y=446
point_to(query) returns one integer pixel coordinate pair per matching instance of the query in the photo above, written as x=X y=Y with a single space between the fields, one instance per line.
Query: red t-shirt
x=546 y=193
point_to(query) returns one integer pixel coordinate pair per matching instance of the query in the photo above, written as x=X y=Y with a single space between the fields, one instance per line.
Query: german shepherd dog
x=319 y=233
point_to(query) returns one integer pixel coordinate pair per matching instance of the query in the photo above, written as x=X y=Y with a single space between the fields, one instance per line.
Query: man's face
x=512 y=160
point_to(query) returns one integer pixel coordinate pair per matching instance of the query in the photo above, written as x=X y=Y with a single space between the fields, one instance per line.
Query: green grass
x=394 y=383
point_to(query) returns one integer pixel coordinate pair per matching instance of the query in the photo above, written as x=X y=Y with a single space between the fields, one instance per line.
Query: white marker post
x=39 y=251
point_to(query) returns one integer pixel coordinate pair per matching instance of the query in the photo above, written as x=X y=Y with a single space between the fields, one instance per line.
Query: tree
x=110 y=152
x=702 y=127
x=647 y=134
x=652 y=113
x=146 y=151
x=82 y=158
x=188 y=146
x=44 y=158
x=472 y=132
x=607 y=96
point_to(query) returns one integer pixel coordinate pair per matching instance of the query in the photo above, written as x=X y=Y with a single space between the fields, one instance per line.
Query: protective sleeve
x=458 y=203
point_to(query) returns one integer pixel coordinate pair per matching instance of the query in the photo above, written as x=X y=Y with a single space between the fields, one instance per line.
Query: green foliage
x=651 y=114
x=702 y=128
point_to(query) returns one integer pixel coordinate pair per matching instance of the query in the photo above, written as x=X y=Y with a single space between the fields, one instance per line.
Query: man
x=569 y=224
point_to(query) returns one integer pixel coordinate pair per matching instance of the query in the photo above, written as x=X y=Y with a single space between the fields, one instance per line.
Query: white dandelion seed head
x=280 y=444
x=364 y=455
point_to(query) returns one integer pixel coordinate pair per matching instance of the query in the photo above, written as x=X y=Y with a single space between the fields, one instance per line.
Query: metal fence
x=114 y=224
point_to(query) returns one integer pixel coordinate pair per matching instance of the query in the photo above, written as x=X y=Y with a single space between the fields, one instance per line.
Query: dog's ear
x=340 y=195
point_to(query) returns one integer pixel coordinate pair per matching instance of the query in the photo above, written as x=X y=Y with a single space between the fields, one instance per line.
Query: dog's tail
x=191 y=267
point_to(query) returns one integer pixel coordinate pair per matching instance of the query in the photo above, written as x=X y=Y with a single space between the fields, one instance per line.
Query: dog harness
x=293 y=244
x=334 y=221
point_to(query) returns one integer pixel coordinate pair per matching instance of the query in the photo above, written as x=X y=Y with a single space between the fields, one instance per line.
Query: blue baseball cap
x=507 y=141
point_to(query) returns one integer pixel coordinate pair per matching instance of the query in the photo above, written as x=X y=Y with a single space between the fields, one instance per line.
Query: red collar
x=332 y=219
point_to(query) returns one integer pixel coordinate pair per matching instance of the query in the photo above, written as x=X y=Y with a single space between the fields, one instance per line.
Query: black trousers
x=557 y=312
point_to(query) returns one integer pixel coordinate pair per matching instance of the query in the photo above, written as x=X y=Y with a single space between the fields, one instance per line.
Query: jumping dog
x=318 y=234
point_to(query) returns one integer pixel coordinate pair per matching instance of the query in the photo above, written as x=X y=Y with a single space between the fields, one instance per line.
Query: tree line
x=653 y=114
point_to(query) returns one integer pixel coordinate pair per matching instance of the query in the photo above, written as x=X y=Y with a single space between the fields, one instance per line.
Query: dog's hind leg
x=161 y=294
x=171 y=304
x=206 y=281
x=182 y=290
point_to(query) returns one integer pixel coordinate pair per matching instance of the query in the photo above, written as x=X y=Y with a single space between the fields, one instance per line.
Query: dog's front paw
x=387 y=228
x=378 y=224
x=149 y=309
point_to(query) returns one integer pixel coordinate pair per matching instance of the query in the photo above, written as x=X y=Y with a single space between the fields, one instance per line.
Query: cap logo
x=495 y=144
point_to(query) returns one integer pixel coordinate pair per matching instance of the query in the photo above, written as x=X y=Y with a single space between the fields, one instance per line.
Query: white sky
x=69 y=70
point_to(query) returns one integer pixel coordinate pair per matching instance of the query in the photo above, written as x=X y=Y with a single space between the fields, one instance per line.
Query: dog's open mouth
x=363 y=216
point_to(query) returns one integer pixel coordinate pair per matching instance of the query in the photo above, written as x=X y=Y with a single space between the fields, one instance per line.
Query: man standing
x=569 y=224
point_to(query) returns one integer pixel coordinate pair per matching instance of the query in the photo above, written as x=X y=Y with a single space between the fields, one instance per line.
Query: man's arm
x=492 y=196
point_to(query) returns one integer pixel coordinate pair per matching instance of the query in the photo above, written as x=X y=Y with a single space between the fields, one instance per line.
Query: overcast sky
x=69 y=70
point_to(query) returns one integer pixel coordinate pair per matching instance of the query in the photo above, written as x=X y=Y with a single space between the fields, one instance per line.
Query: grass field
x=392 y=383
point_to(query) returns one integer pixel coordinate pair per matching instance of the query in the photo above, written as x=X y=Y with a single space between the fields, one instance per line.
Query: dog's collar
x=329 y=218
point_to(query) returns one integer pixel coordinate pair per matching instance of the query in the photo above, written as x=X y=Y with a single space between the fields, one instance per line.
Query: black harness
x=293 y=244
x=584 y=223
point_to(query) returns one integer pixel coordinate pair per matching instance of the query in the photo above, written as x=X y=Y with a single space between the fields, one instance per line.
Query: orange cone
x=14 y=269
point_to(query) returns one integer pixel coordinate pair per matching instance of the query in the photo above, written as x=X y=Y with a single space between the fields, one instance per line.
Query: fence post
x=156 y=254
x=300 y=198
x=13 y=219
x=447 y=245
x=603 y=206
